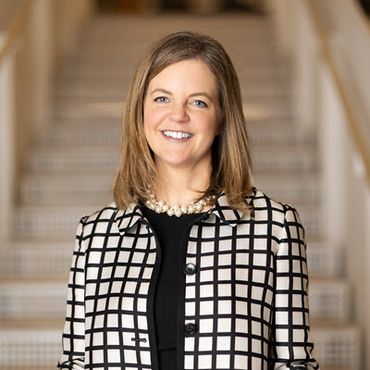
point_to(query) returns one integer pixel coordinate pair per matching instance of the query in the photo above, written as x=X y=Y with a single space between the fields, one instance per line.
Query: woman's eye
x=160 y=99
x=200 y=103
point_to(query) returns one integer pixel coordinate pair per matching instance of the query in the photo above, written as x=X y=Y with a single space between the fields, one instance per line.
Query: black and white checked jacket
x=243 y=307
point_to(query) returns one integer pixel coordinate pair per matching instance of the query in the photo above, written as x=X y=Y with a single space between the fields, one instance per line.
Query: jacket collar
x=223 y=211
x=127 y=218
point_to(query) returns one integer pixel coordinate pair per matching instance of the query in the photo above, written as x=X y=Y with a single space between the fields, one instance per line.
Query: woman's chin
x=174 y=163
x=181 y=161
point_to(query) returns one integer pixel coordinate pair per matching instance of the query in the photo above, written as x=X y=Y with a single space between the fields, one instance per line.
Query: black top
x=170 y=231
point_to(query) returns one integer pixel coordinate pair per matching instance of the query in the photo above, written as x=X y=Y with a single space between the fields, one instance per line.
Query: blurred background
x=65 y=66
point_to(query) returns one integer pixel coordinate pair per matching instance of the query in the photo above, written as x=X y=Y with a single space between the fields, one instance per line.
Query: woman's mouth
x=177 y=135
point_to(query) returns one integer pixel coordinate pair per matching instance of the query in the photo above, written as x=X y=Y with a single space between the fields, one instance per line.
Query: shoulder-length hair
x=231 y=158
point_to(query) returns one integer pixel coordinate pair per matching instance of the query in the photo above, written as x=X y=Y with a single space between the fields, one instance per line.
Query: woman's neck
x=181 y=186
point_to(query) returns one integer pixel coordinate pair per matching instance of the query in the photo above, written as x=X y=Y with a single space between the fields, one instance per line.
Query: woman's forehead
x=186 y=73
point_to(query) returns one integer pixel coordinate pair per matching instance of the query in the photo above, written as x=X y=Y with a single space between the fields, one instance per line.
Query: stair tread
x=32 y=324
x=34 y=279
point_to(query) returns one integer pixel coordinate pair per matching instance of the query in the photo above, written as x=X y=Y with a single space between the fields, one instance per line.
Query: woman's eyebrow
x=202 y=93
x=191 y=95
x=161 y=90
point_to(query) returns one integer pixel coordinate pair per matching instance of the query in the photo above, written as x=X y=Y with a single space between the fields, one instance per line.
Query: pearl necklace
x=161 y=207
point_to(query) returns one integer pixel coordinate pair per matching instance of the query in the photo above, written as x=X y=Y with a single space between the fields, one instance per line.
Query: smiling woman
x=176 y=84
x=212 y=276
x=181 y=120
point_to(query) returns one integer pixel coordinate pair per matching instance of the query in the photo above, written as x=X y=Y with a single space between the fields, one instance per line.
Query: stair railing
x=355 y=114
x=9 y=45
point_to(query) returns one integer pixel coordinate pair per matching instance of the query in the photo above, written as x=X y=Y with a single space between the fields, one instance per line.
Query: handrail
x=16 y=27
x=352 y=120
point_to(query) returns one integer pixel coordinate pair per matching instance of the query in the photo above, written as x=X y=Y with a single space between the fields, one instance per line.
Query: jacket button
x=190 y=269
x=190 y=329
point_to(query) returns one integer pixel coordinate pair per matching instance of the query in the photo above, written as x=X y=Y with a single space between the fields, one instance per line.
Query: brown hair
x=232 y=163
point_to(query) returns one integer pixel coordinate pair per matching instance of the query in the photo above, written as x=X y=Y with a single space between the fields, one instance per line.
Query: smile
x=178 y=135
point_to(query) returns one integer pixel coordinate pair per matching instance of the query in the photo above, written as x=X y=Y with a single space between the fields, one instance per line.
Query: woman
x=191 y=266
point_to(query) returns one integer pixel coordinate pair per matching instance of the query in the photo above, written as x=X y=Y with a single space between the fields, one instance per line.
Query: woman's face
x=181 y=114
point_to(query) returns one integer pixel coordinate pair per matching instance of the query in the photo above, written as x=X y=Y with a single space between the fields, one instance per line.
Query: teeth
x=177 y=134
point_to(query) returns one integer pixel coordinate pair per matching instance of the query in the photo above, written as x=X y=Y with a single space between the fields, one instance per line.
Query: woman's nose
x=179 y=113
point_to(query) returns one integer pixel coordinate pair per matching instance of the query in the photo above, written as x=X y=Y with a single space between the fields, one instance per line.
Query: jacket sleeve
x=73 y=339
x=291 y=344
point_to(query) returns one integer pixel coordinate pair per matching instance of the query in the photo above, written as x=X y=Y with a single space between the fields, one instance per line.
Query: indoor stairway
x=70 y=174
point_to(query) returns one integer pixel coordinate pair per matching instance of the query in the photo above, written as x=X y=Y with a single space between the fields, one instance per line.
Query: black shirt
x=170 y=231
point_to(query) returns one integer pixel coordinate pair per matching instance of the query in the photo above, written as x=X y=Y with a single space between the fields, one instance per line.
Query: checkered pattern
x=247 y=299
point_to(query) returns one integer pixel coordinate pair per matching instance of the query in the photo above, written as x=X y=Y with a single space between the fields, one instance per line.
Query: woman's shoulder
x=104 y=213
x=264 y=202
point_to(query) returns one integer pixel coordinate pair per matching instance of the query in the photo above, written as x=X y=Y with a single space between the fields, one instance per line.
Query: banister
x=352 y=120
x=16 y=27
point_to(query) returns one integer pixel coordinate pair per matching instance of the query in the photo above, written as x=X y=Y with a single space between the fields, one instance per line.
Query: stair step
x=142 y=39
x=323 y=259
x=311 y=219
x=274 y=103
x=74 y=135
x=277 y=132
x=51 y=159
x=290 y=188
x=60 y=189
x=239 y=48
x=78 y=72
x=36 y=259
x=27 y=348
x=32 y=300
x=33 y=323
x=330 y=299
x=235 y=20
x=283 y=158
x=258 y=76
x=49 y=223
x=337 y=346
x=90 y=109
x=129 y=63
x=242 y=36
x=116 y=52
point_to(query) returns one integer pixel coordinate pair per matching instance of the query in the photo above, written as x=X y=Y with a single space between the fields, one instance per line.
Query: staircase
x=70 y=174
